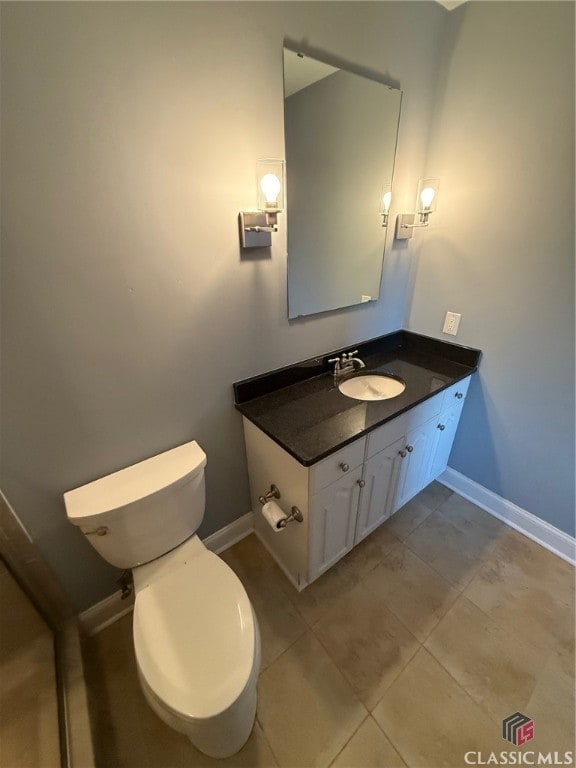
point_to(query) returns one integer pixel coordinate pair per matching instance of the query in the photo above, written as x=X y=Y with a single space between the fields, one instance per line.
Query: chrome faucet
x=346 y=364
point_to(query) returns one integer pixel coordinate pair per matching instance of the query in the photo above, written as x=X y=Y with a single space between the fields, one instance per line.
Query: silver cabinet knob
x=403 y=454
x=361 y=483
x=409 y=448
x=441 y=427
x=344 y=467
x=459 y=395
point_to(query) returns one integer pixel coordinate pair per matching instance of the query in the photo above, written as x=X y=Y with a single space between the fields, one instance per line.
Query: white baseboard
x=231 y=534
x=529 y=525
x=107 y=611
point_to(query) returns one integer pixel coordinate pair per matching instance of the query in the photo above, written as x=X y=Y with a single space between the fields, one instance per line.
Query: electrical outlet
x=451 y=323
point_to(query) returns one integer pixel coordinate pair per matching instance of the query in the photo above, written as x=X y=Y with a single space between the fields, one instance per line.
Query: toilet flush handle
x=102 y=530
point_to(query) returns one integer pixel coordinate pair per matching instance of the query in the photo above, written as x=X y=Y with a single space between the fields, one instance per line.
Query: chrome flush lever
x=102 y=530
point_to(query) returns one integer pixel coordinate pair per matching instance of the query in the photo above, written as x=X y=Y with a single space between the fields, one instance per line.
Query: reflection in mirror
x=340 y=132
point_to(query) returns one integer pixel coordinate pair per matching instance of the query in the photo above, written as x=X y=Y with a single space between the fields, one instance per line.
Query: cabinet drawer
x=393 y=430
x=455 y=394
x=333 y=468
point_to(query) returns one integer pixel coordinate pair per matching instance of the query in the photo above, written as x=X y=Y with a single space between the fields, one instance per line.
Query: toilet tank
x=141 y=512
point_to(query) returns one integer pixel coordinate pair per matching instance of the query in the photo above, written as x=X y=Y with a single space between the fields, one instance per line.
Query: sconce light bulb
x=386 y=200
x=270 y=186
x=426 y=196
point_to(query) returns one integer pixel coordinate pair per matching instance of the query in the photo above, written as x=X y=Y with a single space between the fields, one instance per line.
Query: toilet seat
x=194 y=635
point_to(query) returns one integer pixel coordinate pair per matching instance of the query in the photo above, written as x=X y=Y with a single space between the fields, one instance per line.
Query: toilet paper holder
x=295 y=514
x=273 y=493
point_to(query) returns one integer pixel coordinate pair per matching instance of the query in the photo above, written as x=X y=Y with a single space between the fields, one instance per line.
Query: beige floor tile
x=173 y=750
x=268 y=589
x=368 y=644
x=498 y=669
x=551 y=706
x=263 y=580
x=566 y=660
x=408 y=518
x=21 y=621
x=280 y=625
x=249 y=558
x=28 y=706
x=368 y=748
x=366 y=555
x=454 y=553
x=321 y=596
x=306 y=708
x=433 y=495
x=467 y=517
x=121 y=716
x=431 y=720
x=529 y=590
x=412 y=590
x=28 y=700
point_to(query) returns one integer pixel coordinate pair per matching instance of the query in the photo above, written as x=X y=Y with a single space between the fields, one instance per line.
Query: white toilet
x=196 y=636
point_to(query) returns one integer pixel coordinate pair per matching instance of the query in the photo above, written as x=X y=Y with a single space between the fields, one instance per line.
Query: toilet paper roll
x=273 y=514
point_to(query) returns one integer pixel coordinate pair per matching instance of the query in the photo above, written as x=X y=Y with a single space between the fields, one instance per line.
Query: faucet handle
x=337 y=363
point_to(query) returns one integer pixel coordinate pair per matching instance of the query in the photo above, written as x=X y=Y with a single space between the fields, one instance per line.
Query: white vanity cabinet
x=406 y=454
x=333 y=512
x=446 y=427
x=398 y=458
x=346 y=496
x=335 y=485
x=379 y=488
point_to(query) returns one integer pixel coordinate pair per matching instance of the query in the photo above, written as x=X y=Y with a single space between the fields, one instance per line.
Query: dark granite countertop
x=302 y=410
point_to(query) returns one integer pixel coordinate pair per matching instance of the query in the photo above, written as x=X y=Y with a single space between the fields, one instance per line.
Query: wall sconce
x=256 y=227
x=425 y=205
x=385 y=201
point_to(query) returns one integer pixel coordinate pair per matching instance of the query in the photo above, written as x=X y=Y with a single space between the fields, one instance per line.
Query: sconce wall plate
x=254 y=230
x=404 y=226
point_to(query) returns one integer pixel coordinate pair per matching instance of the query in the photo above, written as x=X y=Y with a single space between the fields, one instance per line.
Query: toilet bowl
x=196 y=636
x=194 y=622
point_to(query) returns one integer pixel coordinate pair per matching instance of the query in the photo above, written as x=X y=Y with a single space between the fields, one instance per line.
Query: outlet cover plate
x=451 y=323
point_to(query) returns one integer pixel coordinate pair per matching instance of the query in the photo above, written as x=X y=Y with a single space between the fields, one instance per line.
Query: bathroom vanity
x=348 y=465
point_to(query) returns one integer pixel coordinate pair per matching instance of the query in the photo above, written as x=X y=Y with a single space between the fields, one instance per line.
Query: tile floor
x=28 y=702
x=409 y=652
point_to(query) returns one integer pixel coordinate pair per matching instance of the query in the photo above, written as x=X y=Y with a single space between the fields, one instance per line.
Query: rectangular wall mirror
x=340 y=132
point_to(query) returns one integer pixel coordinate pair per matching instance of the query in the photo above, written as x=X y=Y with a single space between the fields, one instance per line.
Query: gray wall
x=129 y=138
x=501 y=246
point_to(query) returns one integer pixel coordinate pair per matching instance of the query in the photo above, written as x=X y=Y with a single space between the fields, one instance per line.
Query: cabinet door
x=415 y=466
x=379 y=488
x=443 y=438
x=333 y=521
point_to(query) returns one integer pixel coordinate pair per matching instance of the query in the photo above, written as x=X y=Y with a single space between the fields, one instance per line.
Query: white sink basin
x=372 y=386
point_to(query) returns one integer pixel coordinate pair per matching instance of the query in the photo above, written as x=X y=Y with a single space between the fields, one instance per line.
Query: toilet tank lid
x=135 y=483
